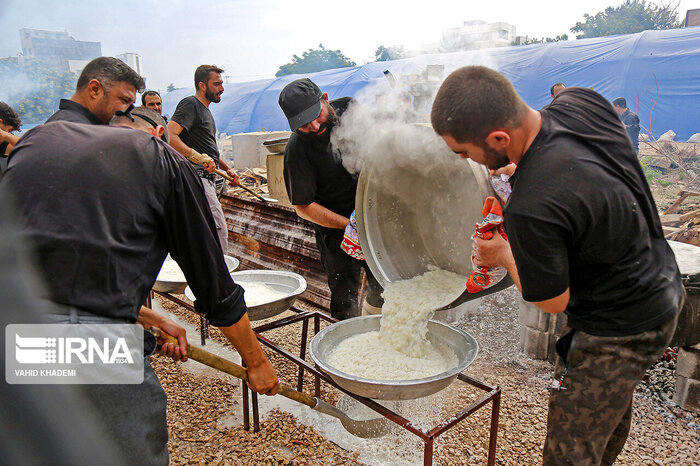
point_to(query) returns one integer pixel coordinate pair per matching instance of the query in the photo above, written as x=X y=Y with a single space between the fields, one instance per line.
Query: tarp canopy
x=657 y=72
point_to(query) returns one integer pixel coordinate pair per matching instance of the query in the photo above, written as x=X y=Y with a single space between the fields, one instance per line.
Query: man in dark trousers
x=629 y=119
x=193 y=134
x=116 y=202
x=584 y=238
x=106 y=85
x=323 y=192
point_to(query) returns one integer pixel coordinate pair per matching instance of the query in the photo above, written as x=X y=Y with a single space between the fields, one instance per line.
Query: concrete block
x=534 y=343
x=687 y=394
x=688 y=362
x=533 y=317
x=557 y=324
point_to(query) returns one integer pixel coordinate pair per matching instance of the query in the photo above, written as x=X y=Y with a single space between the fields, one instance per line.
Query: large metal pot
x=417 y=204
x=323 y=343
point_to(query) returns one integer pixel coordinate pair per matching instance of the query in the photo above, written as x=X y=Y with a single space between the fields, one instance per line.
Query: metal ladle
x=371 y=428
x=467 y=296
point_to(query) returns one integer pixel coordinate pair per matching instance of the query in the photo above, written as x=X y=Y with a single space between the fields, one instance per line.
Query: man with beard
x=193 y=134
x=584 y=238
x=323 y=192
x=106 y=85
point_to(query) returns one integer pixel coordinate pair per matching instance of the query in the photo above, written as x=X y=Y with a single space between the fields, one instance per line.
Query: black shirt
x=103 y=206
x=313 y=172
x=631 y=122
x=199 y=131
x=581 y=216
x=73 y=111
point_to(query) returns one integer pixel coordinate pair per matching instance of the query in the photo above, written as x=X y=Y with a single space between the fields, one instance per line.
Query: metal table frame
x=492 y=395
x=250 y=400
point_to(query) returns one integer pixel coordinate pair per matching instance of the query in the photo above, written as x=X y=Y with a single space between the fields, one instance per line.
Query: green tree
x=170 y=88
x=315 y=60
x=34 y=89
x=389 y=53
x=630 y=17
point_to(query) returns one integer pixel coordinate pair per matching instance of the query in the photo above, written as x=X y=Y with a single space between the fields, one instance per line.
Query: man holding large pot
x=323 y=191
x=584 y=238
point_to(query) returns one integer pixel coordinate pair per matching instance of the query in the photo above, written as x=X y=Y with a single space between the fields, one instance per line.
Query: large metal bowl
x=463 y=344
x=290 y=283
x=178 y=287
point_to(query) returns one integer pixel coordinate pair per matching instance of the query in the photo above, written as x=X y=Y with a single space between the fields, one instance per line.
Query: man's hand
x=232 y=173
x=177 y=352
x=149 y=318
x=202 y=160
x=494 y=252
x=262 y=378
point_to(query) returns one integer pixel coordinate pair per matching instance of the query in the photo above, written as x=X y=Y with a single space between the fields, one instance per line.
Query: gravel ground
x=205 y=424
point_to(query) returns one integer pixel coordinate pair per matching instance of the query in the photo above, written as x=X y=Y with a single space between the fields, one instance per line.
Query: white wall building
x=133 y=60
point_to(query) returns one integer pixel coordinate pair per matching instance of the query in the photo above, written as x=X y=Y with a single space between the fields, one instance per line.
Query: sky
x=251 y=39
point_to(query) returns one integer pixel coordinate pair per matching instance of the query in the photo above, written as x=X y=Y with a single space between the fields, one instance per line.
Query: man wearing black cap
x=323 y=191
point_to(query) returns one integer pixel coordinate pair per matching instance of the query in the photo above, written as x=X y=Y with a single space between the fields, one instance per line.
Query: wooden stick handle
x=229 y=367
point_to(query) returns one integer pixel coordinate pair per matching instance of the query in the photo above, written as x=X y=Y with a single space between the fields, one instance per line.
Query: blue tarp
x=658 y=72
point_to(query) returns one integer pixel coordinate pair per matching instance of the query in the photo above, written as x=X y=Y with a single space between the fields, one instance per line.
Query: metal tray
x=178 y=287
x=288 y=282
x=463 y=344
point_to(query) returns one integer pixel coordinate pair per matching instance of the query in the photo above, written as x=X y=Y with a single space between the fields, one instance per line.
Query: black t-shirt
x=113 y=203
x=199 y=131
x=314 y=172
x=73 y=111
x=581 y=216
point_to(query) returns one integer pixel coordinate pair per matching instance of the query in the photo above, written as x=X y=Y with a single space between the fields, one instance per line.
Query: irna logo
x=71 y=350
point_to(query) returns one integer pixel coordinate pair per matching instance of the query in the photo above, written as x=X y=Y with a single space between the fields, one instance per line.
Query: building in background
x=58 y=49
x=692 y=18
x=471 y=35
x=133 y=60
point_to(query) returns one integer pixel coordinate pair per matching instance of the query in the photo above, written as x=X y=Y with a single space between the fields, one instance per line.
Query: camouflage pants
x=590 y=414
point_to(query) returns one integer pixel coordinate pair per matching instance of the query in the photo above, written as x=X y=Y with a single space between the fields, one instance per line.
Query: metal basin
x=290 y=283
x=276 y=146
x=178 y=287
x=463 y=344
x=416 y=206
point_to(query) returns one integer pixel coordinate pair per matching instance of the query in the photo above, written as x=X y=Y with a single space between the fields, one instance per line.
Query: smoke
x=388 y=125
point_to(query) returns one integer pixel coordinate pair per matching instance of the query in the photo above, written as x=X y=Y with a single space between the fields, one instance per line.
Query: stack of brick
x=687 y=394
x=539 y=331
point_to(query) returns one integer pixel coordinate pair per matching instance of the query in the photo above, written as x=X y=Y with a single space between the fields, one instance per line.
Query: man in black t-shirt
x=629 y=119
x=584 y=238
x=106 y=85
x=193 y=134
x=323 y=191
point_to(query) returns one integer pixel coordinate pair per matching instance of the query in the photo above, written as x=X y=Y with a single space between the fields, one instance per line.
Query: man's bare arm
x=10 y=139
x=261 y=374
x=320 y=215
x=174 y=129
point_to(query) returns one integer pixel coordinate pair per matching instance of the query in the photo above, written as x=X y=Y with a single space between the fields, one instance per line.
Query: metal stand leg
x=246 y=408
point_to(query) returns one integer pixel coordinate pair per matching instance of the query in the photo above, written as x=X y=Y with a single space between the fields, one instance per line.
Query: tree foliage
x=543 y=40
x=315 y=60
x=630 y=17
x=34 y=89
x=389 y=53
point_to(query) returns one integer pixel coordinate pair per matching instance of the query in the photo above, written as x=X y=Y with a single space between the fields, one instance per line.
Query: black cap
x=300 y=101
